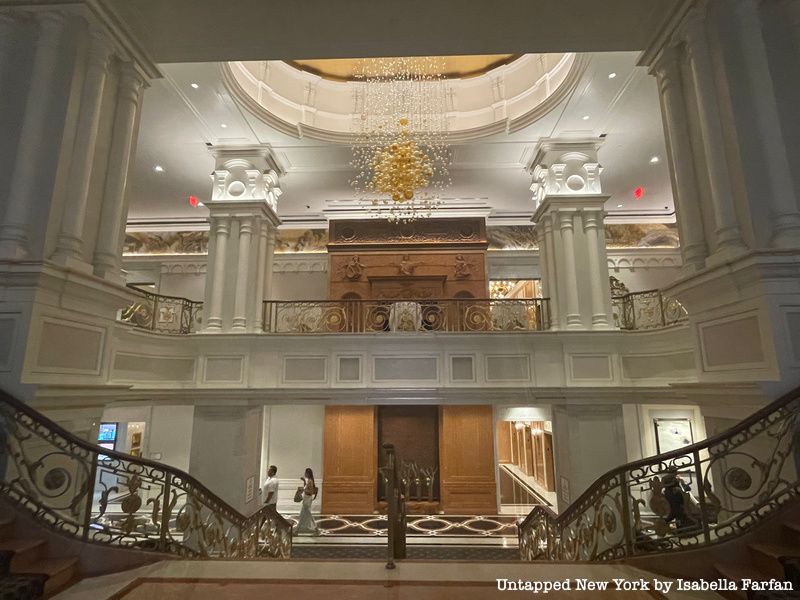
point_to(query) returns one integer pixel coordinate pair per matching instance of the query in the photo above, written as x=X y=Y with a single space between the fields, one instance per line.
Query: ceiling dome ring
x=505 y=99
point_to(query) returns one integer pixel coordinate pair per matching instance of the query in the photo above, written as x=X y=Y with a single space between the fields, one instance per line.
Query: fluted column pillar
x=764 y=150
x=245 y=190
x=598 y=272
x=552 y=274
x=69 y=248
x=728 y=235
x=566 y=226
x=14 y=230
x=242 y=272
x=694 y=249
x=256 y=311
x=221 y=229
x=108 y=248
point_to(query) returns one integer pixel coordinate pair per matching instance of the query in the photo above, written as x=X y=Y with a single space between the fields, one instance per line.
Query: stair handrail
x=191 y=520
x=604 y=524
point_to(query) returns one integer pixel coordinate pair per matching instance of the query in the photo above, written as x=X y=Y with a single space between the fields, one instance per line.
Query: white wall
x=300 y=286
x=646 y=278
x=226 y=451
x=294 y=442
x=170 y=435
x=589 y=440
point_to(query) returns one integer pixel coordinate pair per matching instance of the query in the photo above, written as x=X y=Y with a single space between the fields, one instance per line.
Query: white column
x=113 y=213
x=269 y=257
x=22 y=186
x=242 y=271
x=261 y=266
x=566 y=226
x=551 y=270
x=598 y=273
x=761 y=126
x=70 y=240
x=728 y=235
x=221 y=231
x=684 y=179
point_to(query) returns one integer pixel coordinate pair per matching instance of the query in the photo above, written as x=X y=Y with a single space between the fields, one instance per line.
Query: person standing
x=306 y=523
x=270 y=489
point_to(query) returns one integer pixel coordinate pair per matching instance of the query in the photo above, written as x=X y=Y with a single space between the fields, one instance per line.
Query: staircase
x=27 y=570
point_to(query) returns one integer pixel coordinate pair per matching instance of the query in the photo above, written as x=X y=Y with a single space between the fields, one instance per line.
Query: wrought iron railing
x=376 y=316
x=647 y=310
x=164 y=314
x=106 y=497
x=692 y=497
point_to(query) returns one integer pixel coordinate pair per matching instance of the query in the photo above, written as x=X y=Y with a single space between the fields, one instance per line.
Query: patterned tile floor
x=431 y=552
x=490 y=526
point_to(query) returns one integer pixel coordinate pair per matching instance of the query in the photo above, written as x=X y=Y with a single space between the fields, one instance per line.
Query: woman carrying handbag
x=306 y=494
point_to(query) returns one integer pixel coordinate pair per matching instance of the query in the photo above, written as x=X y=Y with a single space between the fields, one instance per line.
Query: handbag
x=298 y=495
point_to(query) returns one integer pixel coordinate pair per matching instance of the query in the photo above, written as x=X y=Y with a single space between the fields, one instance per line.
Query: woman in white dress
x=306 y=523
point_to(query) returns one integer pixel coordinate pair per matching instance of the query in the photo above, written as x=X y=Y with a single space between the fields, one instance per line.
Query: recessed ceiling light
x=158 y=169
x=654 y=160
x=619 y=205
x=195 y=86
x=223 y=125
x=612 y=75
x=585 y=117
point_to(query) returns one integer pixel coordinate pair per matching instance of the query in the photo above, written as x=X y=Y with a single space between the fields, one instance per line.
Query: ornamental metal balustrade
x=164 y=314
x=104 y=497
x=647 y=310
x=479 y=315
x=737 y=479
x=175 y=315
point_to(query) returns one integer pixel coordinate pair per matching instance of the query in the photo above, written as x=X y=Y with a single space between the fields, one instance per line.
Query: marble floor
x=355 y=580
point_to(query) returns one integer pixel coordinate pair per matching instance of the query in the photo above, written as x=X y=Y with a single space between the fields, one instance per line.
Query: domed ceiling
x=486 y=94
x=455 y=67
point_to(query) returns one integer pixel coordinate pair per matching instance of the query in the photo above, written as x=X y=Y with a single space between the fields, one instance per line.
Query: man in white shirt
x=270 y=489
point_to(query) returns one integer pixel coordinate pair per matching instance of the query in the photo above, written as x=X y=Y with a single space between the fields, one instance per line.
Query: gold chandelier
x=400 y=151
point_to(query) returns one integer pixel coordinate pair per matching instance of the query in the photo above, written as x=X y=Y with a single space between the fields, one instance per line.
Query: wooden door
x=466 y=455
x=350 y=454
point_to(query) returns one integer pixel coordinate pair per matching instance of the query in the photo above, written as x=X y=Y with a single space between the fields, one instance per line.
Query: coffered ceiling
x=613 y=98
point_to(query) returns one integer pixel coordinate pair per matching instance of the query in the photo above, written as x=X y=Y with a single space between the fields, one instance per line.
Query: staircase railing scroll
x=106 y=497
x=695 y=496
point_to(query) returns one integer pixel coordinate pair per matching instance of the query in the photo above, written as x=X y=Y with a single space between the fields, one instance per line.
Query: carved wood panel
x=350 y=460
x=466 y=454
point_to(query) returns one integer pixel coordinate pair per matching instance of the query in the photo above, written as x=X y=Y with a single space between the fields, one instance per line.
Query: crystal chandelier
x=400 y=151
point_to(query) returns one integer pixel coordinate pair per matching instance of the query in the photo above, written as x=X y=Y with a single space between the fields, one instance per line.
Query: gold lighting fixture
x=400 y=151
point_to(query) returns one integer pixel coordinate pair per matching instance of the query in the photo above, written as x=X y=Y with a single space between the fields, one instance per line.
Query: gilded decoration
x=376 y=233
x=642 y=235
x=422 y=233
x=287 y=241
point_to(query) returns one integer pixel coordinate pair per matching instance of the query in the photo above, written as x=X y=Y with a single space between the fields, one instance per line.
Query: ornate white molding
x=309 y=262
x=643 y=258
x=292 y=101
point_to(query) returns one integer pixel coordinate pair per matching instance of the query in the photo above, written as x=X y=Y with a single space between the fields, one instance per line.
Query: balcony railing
x=164 y=314
x=700 y=495
x=429 y=315
x=105 y=497
x=647 y=310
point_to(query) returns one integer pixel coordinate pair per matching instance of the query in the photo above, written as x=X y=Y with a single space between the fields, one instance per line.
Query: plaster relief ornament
x=462 y=268
x=353 y=269
x=407 y=266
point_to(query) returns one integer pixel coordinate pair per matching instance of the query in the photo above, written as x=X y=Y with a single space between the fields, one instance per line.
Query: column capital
x=566 y=168
x=246 y=174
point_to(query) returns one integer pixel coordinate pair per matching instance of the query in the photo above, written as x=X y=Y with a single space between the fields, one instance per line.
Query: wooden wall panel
x=466 y=455
x=504 y=452
x=350 y=460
